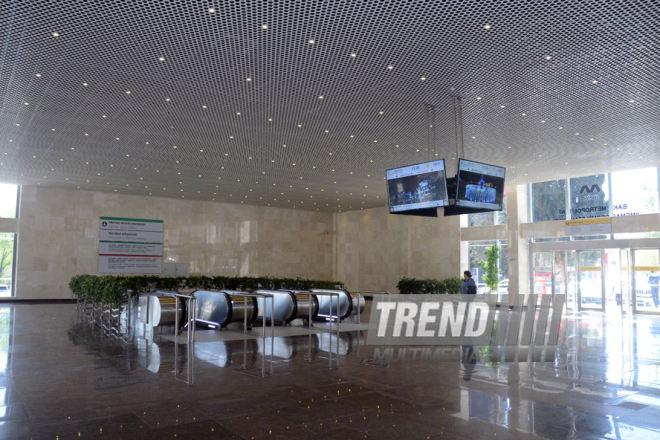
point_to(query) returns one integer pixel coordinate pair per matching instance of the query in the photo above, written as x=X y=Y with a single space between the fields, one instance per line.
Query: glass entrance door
x=591 y=295
x=542 y=273
x=646 y=281
x=564 y=277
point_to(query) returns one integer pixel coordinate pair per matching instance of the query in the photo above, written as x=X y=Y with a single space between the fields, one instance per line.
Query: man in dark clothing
x=468 y=286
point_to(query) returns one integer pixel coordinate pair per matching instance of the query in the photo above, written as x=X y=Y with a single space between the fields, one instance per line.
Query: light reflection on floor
x=59 y=378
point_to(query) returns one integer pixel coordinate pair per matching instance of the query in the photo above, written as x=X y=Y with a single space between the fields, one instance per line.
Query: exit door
x=591 y=281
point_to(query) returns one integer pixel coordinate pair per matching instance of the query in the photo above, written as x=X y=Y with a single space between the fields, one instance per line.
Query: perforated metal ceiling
x=306 y=103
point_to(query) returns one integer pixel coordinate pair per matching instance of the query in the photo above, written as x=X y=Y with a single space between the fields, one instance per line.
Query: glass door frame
x=578 y=265
x=633 y=291
x=631 y=244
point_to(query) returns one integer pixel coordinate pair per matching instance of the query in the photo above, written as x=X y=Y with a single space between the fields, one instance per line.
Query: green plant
x=431 y=285
x=112 y=290
x=491 y=275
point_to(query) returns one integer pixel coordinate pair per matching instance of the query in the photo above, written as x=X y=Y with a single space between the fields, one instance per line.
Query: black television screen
x=479 y=186
x=419 y=186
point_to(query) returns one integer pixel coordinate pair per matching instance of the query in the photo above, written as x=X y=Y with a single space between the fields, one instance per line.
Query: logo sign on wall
x=130 y=245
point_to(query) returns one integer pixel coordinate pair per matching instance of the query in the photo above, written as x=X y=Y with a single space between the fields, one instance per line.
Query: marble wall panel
x=58 y=237
x=375 y=249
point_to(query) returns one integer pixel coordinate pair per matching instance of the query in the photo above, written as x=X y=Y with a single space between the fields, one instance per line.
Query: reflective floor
x=60 y=380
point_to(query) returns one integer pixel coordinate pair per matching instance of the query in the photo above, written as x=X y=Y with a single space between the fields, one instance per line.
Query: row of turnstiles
x=217 y=309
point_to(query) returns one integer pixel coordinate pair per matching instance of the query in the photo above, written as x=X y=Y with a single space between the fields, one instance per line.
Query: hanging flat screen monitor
x=416 y=187
x=480 y=186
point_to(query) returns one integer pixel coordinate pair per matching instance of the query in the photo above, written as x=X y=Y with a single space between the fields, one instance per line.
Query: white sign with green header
x=130 y=245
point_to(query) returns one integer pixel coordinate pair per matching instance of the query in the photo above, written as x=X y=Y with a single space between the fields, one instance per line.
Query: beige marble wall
x=58 y=237
x=375 y=249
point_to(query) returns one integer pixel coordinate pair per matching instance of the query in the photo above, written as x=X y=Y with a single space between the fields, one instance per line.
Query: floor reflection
x=604 y=384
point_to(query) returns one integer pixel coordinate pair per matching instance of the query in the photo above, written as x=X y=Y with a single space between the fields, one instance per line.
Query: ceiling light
x=167 y=99
x=161 y=59
x=632 y=100
x=264 y=27
x=577 y=134
x=38 y=75
x=55 y=34
x=542 y=122
x=248 y=79
x=561 y=128
x=381 y=113
x=104 y=116
x=85 y=84
x=548 y=57
x=487 y=26
x=238 y=113
x=524 y=114
x=311 y=41
x=26 y=103
x=422 y=79
x=353 y=55
x=594 y=82
x=501 y=106
x=478 y=98
x=211 y=10
x=128 y=92
x=320 y=97
x=203 y=106
x=390 y=67
x=270 y=120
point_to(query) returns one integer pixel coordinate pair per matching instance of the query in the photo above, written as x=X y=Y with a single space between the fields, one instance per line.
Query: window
x=489 y=218
x=8 y=209
x=549 y=201
x=6 y=263
x=635 y=192
x=477 y=253
x=8 y=200
x=590 y=196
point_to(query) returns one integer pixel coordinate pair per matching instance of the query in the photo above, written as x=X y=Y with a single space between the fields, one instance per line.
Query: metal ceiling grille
x=306 y=104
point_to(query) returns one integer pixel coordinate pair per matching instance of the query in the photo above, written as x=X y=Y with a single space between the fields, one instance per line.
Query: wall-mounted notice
x=130 y=245
x=589 y=226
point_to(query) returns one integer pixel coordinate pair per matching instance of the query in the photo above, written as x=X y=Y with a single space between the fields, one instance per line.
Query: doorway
x=621 y=277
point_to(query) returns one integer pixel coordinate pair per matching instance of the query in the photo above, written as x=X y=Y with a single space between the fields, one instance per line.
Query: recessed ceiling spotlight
x=104 y=116
x=542 y=122
x=238 y=113
x=211 y=10
x=422 y=79
x=632 y=100
x=26 y=103
x=264 y=26
x=353 y=55
x=38 y=75
x=548 y=57
x=381 y=113
x=478 y=98
x=390 y=67
x=128 y=92
x=311 y=41
x=204 y=106
x=248 y=79
x=577 y=134
x=85 y=84
x=299 y=126
x=487 y=26
x=524 y=114
x=561 y=128
x=167 y=99
x=501 y=106
x=396 y=146
x=473 y=137
x=270 y=120
x=161 y=59
x=56 y=34
x=320 y=97
x=509 y=146
x=594 y=82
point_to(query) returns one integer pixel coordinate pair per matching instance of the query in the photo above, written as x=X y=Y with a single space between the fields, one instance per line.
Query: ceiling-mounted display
x=480 y=185
x=419 y=186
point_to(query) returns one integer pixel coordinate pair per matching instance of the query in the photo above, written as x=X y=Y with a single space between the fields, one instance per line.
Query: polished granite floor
x=60 y=379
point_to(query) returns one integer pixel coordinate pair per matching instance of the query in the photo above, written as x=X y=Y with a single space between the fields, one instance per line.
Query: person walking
x=653 y=281
x=468 y=286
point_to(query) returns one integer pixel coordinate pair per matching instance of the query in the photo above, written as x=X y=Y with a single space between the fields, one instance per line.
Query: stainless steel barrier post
x=176 y=315
x=365 y=306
